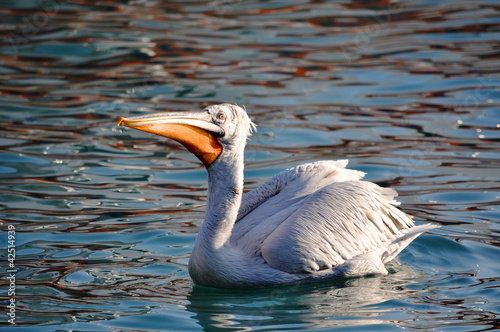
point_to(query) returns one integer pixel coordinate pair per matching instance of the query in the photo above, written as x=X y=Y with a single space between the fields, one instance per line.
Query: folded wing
x=320 y=216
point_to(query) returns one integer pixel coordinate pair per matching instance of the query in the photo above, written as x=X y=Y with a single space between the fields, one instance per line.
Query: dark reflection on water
x=105 y=218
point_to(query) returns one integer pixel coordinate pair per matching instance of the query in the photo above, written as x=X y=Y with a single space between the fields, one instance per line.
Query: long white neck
x=225 y=188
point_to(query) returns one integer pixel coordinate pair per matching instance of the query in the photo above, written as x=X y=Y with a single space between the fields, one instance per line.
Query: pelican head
x=206 y=134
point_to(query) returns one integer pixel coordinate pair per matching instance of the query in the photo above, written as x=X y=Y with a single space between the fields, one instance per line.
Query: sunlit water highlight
x=105 y=218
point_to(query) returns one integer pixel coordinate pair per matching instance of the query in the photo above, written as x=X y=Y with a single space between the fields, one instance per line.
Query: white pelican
x=311 y=222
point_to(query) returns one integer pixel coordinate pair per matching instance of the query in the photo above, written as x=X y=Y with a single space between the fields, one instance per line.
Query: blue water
x=105 y=218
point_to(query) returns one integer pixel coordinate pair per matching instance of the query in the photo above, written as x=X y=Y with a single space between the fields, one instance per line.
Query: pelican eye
x=221 y=116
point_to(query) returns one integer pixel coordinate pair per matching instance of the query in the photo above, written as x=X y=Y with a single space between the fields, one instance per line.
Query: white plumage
x=311 y=222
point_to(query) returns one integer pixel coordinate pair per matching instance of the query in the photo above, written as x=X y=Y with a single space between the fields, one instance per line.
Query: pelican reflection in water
x=311 y=222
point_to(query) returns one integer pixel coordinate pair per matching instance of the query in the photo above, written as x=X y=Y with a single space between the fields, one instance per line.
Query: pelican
x=310 y=222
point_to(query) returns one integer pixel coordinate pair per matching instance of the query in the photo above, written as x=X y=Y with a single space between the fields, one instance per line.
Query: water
x=105 y=218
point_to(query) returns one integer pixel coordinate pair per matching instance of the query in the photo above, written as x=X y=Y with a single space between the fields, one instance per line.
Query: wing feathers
x=337 y=223
x=321 y=216
x=320 y=172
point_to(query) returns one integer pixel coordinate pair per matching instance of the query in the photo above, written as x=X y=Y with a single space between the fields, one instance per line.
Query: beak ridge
x=193 y=130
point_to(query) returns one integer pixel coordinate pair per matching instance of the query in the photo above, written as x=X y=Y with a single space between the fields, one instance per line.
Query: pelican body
x=311 y=222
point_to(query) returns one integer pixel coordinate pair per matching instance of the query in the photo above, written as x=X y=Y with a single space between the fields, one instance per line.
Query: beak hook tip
x=121 y=121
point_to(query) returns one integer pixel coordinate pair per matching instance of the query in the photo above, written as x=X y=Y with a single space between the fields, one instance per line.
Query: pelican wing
x=319 y=216
x=301 y=178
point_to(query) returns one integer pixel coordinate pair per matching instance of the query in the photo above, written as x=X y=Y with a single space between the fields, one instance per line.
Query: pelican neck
x=225 y=188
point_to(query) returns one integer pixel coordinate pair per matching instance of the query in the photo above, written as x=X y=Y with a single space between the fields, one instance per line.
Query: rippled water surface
x=105 y=218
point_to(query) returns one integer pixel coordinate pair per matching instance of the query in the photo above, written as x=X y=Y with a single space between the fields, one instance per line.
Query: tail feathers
x=373 y=262
x=364 y=264
x=400 y=243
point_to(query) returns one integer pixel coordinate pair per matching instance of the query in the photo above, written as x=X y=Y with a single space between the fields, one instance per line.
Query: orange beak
x=193 y=130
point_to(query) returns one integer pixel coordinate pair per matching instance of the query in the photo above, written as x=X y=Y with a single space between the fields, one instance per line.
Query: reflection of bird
x=310 y=222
